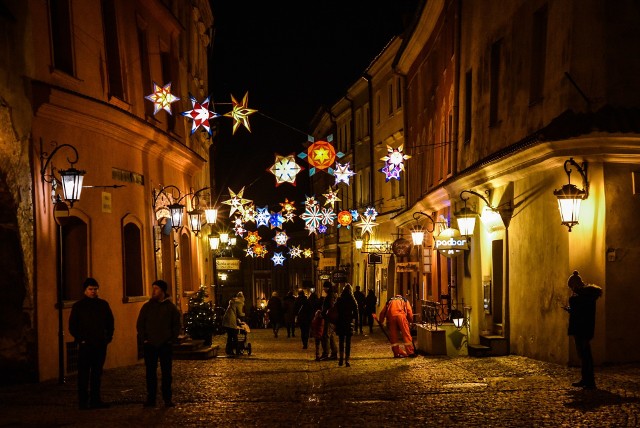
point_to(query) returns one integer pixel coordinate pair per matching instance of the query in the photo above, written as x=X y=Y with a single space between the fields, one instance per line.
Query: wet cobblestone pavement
x=280 y=384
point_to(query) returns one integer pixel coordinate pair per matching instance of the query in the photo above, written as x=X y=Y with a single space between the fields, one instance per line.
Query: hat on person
x=89 y=281
x=240 y=294
x=575 y=281
x=274 y=294
x=162 y=285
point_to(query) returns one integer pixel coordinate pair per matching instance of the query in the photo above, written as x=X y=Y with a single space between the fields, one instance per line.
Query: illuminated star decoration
x=354 y=215
x=342 y=173
x=240 y=113
x=249 y=213
x=276 y=220
x=200 y=114
x=312 y=218
x=162 y=98
x=295 y=251
x=320 y=155
x=311 y=200
x=370 y=212
x=307 y=253
x=344 y=219
x=281 y=238
x=278 y=259
x=263 y=216
x=328 y=216
x=237 y=202
x=238 y=226
x=322 y=228
x=367 y=224
x=288 y=208
x=252 y=238
x=260 y=250
x=394 y=163
x=332 y=197
x=285 y=169
x=249 y=251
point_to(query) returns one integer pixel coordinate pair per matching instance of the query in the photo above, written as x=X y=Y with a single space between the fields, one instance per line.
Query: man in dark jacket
x=360 y=299
x=158 y=328
x=91 y=324
x=582 y=322
x=370 y=308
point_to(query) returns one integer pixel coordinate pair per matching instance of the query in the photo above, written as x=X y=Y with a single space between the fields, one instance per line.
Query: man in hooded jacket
x=582 y=322
x=398 y=312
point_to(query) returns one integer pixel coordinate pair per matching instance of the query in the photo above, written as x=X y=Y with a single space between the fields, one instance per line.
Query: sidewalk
x=280 y=384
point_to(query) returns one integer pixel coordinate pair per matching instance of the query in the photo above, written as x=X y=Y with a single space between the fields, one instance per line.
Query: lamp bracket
x=433 y=221
x=172 y=195
x=45 y=160
x=472 y=192
x=582 y=170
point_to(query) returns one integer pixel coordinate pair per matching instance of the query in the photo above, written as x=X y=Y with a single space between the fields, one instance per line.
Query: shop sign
x=407 y=267
x=339 y=276
x=451 y=243
x=375 y=259
x=401 y=247
x=325 y=262
x=227 y=263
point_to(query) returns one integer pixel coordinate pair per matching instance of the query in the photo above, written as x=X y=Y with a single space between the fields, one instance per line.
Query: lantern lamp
x=214 y=242
x=211 y=215
x=224 y=237
x=458 y=318
x=359 y=243
x=570 y=196
x=176 y=211
x=195 y=220
x=71 y=179
x=466 y=220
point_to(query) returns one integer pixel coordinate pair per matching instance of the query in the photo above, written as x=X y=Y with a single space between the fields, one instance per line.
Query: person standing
x=370 y=308
x=360 y=299
x=288 y=305
x=274 y=309
x=347 y=312
x=304 y=314
x=158 y=328
x=398 y=312
x=582 y=323
x=330 y=319
x=230 y=322
x=91 y=325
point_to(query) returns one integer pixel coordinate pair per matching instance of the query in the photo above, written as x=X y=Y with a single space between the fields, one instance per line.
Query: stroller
x=243 y=344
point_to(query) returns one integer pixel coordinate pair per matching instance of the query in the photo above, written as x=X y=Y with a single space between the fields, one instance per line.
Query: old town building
x=72 y=94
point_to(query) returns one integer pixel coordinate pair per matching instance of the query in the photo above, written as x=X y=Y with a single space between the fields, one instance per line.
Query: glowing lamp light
x=195 y=220
x=224 y=237
x=570 y=197
x=466 y=220
x=176 y=211
x=233 y=241
x=214 y=242
x=211 y=215
x=417 y=235
x=458 y=318
x=491 y=219
x=359 y=243
x=223 y=276
x=72 y=184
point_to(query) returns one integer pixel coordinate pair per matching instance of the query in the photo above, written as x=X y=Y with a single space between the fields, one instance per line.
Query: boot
x=397 y=352
x=341 y=358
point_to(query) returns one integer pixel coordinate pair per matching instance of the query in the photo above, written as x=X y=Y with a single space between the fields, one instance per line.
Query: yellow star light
x=320 y=155
x=237 y=202
x=162 y=98
x=240 y=113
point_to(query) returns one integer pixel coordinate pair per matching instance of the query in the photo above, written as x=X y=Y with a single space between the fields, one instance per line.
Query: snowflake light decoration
x=200 y=114
x=312 y=218
x=278 y=259
x=285 y=169
x=162 y=98
x=394 y=163
x=322 y=228
x=263 y=216
x=239 y=230
x=236 y=202
x=240 y=113
x=331 y=197
x=342 y=173
x=370 y=212
x=295 y=251
x=355 y=215
x=288 y=217
x=328 y=216
x=281 y=239
x=320 y=155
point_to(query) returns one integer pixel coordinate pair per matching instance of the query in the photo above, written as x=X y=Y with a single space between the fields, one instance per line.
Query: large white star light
x=236 y=202
x=367 y=224
x=342 y=173
x=285 y=169
x=281 y=238
x=295 y=251
x=263 y=216
x=312 y=218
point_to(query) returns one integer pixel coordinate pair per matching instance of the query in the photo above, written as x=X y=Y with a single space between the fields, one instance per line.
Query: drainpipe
x=372 y=189
x=456 y=87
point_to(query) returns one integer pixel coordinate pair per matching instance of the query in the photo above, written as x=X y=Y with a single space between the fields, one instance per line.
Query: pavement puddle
x=465 y=385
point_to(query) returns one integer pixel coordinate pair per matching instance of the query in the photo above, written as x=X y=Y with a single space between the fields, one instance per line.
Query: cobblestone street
x=280 y=384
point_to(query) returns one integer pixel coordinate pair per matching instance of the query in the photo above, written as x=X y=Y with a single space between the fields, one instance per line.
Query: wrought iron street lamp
x=570 y=196
x=467 y=217
x=70 y=179
x=417 y=233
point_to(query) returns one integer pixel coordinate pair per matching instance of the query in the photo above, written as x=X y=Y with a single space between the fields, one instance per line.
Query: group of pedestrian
x=91 y=323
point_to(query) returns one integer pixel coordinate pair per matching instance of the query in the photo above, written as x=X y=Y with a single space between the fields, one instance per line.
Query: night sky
x=293 y=57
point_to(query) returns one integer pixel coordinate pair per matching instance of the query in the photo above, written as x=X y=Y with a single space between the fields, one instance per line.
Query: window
x=468 y=98
x=538 y=55
x=132 y=247
x=378 y=107
x=390 y=99
x=144 y=69
x=61 y=35
x=399 y=93
x=495 y=83
x=112 y=49
x=74 y=261
x=450 y=143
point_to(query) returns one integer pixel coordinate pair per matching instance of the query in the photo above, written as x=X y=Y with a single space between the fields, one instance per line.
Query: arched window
x=74 y=257
x=132 y=260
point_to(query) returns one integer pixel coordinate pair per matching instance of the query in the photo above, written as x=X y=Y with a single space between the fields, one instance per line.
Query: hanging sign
x=227 y=263
x=451 y=243
x=407 y=267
